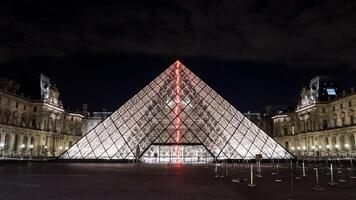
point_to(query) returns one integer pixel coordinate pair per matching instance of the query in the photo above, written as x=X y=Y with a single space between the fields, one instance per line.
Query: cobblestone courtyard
x=69 y=181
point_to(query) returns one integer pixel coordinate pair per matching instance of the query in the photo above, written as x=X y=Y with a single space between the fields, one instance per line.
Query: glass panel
x=176 y=108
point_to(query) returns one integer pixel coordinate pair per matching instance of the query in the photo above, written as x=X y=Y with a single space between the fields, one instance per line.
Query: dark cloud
x=296 y=32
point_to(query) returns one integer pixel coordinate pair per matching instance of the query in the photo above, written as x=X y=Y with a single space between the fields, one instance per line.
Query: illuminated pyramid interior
x=176 y=118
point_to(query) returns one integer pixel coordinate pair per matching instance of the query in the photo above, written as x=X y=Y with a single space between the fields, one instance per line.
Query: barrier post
x=235 y=179
x=317 y=186
x=291 y=189
x=277 y=179
x=332 y=176
x=303 y=168
x=251 y=178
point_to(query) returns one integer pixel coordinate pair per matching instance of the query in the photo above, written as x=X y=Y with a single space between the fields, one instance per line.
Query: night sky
x=253 y=53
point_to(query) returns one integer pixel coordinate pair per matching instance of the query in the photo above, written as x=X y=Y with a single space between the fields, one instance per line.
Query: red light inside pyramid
x=177 y=100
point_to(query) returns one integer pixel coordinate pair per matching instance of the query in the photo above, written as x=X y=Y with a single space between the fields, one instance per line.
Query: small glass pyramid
x=176 y=118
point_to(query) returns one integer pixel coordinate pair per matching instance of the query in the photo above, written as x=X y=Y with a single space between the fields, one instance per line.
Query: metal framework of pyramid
x=176 y=116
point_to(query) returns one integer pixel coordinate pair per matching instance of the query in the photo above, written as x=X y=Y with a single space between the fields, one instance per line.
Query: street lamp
x=328 y=149
x=337 y=150
x=30 y=152
x=347 y=150
x=298 y=151
x=60 y=149
x=314 y=152
x=22 y=149
x=2 y=145
x=304 y=148
x=45 y=147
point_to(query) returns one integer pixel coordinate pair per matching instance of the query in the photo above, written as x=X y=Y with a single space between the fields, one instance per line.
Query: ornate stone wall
x=25 y=142
x=319 y=128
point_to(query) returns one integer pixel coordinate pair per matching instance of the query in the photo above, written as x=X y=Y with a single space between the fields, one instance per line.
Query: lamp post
x=337 y=150
x=327 y=150
x=2 y=145
x=314 y=152
x=60 y=149
x=22 y=149
x=304 y=148
x=45 y=149
x=30 y=152
x=298 y=149
x=347 y=150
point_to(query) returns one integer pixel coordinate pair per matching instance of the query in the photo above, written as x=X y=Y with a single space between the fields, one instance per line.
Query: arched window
x=326 y=141
x=23 y=120
x=8 y=115
x=333 y=142
x=24 y=141
x=342 y=142
x=353 y=145
x=16 y=143
x=33 y=141
x=286 y=145
x=7 y=142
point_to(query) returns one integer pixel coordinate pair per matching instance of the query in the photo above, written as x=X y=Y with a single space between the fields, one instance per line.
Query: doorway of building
x=164 y=153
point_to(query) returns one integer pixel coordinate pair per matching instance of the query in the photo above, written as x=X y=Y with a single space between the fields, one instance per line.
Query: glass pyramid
x=176 y=117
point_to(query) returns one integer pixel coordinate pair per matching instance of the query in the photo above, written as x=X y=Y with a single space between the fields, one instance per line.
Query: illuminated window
x=331 y=91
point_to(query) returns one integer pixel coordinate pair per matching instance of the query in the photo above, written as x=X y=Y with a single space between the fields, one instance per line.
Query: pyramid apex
x=177 y=62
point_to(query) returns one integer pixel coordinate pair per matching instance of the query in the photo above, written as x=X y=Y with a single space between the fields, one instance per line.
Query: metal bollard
x=353 y=174
x=251 y=178
x=226 y=168
x=317 y=186
x=277 y=179
x=303 y=168
x=235 y=179
x=273 y=168
x=291 y=188
x=341 y=178
x=223 y=169
x=259 y=171
x=332 y=176
x=297 y=175
x=216 y=170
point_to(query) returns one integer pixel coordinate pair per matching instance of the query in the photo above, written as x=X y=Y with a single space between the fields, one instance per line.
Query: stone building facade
x=322 y=125
x=36 y=127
